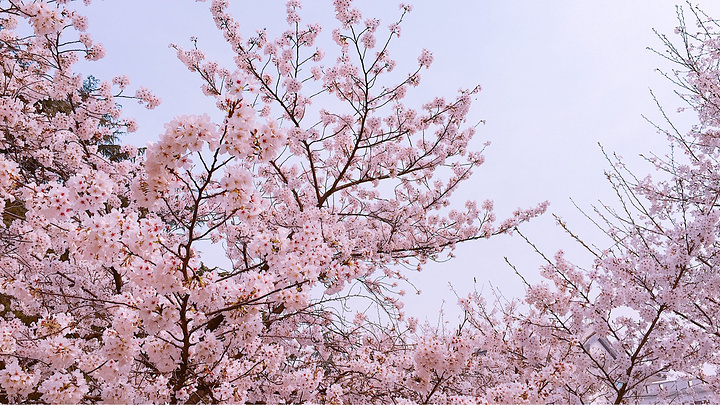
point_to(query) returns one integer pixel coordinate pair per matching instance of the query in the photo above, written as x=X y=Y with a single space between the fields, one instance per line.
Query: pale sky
x=558 y=78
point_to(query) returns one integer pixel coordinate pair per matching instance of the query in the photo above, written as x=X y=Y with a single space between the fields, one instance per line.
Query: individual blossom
x=425 y=59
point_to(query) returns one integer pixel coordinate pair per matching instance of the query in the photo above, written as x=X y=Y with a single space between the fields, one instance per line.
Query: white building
x=659 y=390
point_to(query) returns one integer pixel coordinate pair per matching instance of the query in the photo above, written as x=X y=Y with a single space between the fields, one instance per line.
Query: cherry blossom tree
x=316 y=180
x=322 y=186
x=647 y=308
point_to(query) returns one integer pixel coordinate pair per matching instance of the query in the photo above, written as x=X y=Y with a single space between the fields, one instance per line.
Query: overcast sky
x=558 y=78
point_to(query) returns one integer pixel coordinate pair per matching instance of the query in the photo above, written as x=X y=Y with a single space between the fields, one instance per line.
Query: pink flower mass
x=326 y=190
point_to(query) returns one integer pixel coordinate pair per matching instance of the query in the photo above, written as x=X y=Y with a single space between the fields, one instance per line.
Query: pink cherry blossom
x=106 y=290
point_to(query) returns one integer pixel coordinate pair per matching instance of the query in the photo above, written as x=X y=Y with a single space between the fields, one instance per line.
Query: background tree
x=650 y=300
